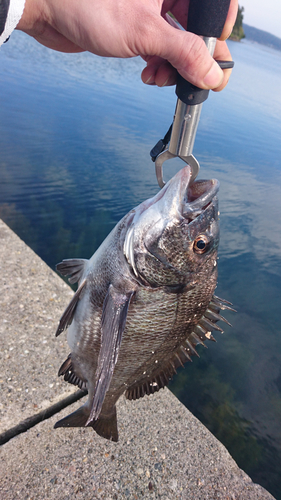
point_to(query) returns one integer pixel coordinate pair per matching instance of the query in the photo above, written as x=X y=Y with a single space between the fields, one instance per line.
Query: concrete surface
x=163 y=452
x=32 y=299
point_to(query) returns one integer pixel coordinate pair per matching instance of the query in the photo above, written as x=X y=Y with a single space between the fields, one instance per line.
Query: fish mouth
x=186 y=197
x=199 y=195
x=181 y=196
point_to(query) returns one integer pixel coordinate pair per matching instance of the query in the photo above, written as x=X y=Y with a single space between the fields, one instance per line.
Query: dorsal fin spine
x=179 y=359
x=183 y=350
x=191 y=348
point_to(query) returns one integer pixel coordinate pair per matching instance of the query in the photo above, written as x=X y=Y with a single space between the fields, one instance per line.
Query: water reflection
x=75 y=158
x=250 y=210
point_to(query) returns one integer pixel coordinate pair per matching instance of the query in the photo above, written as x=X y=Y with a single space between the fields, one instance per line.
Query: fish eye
x=200 y=245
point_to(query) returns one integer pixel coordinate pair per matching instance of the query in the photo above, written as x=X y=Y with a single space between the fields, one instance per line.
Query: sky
x=265 y=15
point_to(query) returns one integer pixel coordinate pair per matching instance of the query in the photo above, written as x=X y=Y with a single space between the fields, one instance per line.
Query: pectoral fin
x=115 y=309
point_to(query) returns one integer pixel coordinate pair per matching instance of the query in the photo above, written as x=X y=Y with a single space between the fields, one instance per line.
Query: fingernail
x=214 y=76
x=150 y=80
x=165 y=83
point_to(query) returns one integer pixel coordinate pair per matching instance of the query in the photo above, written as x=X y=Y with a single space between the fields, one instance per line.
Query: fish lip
x=188 y=198
x=199 y=195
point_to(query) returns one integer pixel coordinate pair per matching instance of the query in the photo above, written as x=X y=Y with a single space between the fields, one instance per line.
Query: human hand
x=128 y=28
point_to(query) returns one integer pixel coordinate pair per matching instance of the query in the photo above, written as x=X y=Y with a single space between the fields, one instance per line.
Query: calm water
x=75 y=136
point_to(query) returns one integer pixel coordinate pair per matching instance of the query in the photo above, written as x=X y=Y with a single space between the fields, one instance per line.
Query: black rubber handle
x=207 y=17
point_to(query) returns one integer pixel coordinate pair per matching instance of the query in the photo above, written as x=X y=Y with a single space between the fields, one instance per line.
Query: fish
x=144 y=301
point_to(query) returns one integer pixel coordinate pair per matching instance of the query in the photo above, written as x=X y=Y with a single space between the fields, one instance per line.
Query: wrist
x=39 y=21
x=33 y=19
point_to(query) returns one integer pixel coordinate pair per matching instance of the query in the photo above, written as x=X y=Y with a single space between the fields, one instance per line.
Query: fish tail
x=105 y=426
x=76 y=419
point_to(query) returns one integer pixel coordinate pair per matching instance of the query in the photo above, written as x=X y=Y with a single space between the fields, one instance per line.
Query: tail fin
x=76 y=419
x=104 y=426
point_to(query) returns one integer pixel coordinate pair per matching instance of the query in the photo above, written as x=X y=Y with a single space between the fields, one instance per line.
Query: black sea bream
x=144 y=300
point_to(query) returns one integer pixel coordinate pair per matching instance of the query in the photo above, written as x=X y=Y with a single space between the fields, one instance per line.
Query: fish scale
x=178 y=331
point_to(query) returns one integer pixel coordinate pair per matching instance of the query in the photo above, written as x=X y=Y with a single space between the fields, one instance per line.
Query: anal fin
x=70 y=376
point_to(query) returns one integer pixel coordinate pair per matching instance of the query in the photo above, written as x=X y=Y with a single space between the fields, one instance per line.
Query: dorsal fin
x=217 y=302
x=72 y=267
x=160 y=378
x=68 y=314
x=70 y=376
x=201 y=332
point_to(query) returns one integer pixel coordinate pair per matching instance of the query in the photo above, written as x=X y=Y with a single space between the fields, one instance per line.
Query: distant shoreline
x=259 y=36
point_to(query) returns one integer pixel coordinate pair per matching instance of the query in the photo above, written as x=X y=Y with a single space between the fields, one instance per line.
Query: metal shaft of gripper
x=186 y=121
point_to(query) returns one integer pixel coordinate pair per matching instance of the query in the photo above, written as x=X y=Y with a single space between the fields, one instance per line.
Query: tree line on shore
x=238 y=31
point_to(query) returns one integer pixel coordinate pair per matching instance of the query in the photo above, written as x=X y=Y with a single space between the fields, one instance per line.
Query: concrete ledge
x=163 y=450
x=32 y=298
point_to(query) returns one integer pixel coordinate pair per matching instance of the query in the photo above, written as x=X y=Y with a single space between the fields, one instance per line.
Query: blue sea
x=75 y=136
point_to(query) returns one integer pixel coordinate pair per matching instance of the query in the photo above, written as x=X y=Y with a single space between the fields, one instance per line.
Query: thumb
x=187 y=53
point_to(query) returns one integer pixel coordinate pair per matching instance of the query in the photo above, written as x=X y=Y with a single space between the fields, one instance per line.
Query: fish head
x=173 y=237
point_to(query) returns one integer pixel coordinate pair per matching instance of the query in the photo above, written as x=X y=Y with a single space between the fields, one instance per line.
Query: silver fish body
x=144 y=300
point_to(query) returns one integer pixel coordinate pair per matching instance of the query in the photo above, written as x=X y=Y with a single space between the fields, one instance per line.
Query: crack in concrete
x=29 y=422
